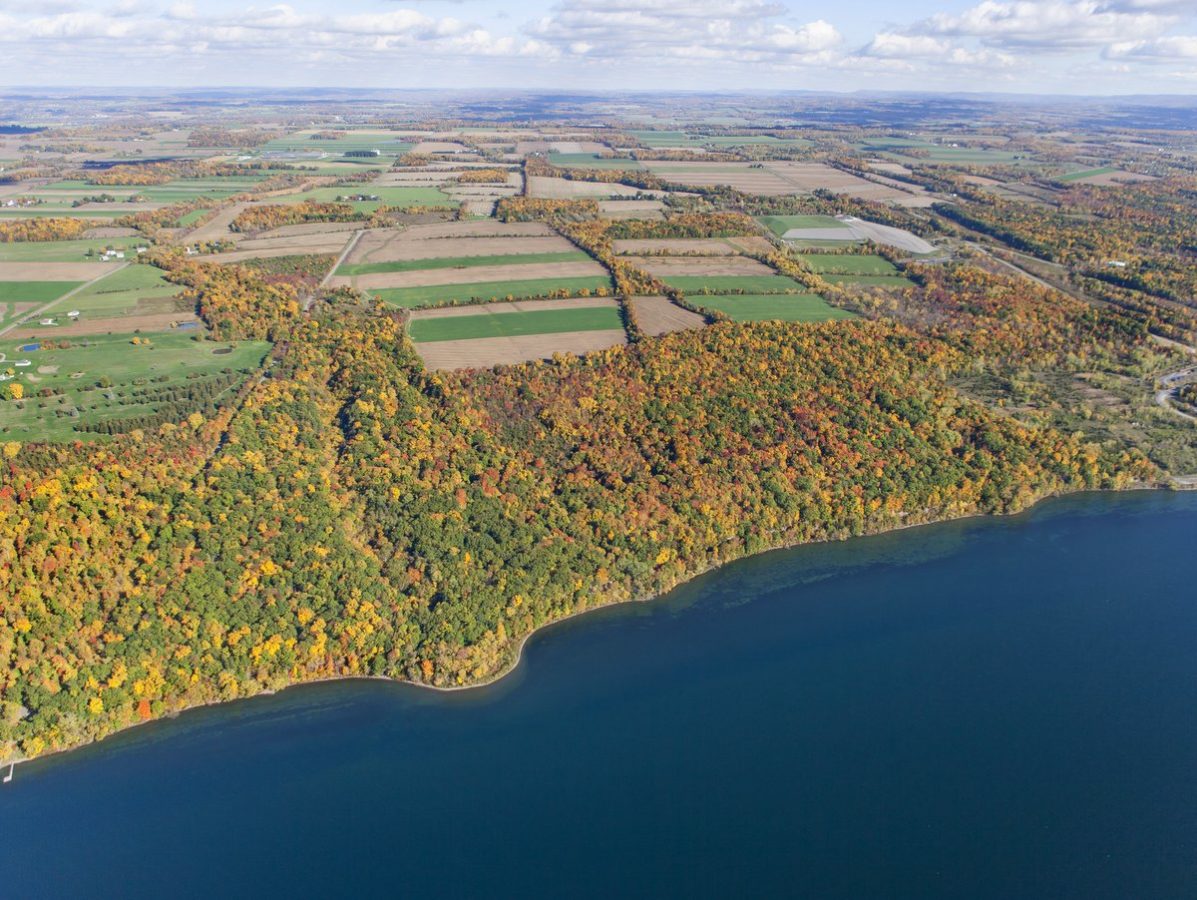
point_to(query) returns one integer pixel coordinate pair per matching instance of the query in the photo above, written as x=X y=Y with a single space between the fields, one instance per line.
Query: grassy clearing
x=131 y=375
x=387 y=196
x=124 y=290
x=734 y=284
x=887 y=281
x=459 y=262
x=192 y=217
x=515 y=324
x=65 y=251
x=412 y=297
x=779 y=225
x=844 y=264
x=774 y=308
x=591 y=161
x=387 y=143
x=34 y=291
x=1087 y=173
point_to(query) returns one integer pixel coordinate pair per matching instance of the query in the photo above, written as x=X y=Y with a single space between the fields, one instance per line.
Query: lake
x=1000 y=708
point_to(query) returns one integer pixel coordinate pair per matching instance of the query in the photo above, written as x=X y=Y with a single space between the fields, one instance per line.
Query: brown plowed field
x=477 y=309
x=660 y=315
x=475 y=275
x=664 y=266
x=682 y=247
x=482 y=353
x=53 y=271
x=392 y=246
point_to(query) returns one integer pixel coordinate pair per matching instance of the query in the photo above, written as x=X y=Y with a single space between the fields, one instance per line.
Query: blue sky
x=1033 y=46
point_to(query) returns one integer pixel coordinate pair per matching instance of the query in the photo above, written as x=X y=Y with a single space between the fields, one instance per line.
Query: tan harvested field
x=889 y=168
x=752 y=244
x=476 y=309
x=523 y=148
x=807 y=176
x=579 y=147
x=692 y=246
x=664 y=266
x=109 y=231
x=297 y=245
x=478 y=228
x=483 y=353
x=289 y=231
x=1113 y=179
x=474 y=275
x=740 y=176
x=53 y=271
x=680 y=246
x=787 y=177
x=217 y=228
x=660 y=315
x=565 y=189
x=632 y=209
x=112 y=324
x=390 y=246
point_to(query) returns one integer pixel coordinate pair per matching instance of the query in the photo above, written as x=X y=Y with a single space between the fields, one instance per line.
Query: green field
x=388 y=196
x=389 y=144
x=731 y=284
x=411 y=297
x=591 y=161
x=34 y=291
x=515 y=324
x=65 y=251
x=888 y=281
x=1087 y=173
x=125 y=290
x=683 y=139
x=459 y=262
x=779 y=225
x=848 y=264
x=192 y=217
x=772 y=307
x=127 y=368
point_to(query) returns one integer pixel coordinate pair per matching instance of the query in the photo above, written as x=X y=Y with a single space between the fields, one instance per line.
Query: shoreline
x=517 y=651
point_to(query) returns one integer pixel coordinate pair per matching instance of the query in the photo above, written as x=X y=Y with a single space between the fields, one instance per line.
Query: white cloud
x=741 y=31
x=1048 y=24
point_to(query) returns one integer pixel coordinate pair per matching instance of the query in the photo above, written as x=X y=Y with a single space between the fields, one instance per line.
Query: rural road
x=1172 y=382
x=310 y=298
x=33 y=314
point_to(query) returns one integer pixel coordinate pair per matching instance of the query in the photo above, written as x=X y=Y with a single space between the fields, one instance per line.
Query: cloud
x=1164 y=49
x=1050 y=24
x=698 y=31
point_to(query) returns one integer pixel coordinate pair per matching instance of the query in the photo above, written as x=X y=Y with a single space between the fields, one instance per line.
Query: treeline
x=50 y=228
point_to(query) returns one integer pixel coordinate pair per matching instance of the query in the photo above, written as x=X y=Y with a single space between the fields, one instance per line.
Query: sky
x=1022 y=46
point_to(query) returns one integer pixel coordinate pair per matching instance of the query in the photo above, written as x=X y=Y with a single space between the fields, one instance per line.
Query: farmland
x=506 y=333
x=387 y=196
x=495 y=290
x=515 y=323
x=848 y=264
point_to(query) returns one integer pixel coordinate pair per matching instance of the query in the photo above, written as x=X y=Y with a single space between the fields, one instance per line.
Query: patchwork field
x=387 y=196
x=508 y=333
x=691 y=246
x=468 y=261
x=102 y=381
x=776 y=178
x=1105 y=176
x=593 y=161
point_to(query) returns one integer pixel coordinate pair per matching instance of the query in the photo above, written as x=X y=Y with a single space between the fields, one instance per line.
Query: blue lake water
x=1000 y=708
